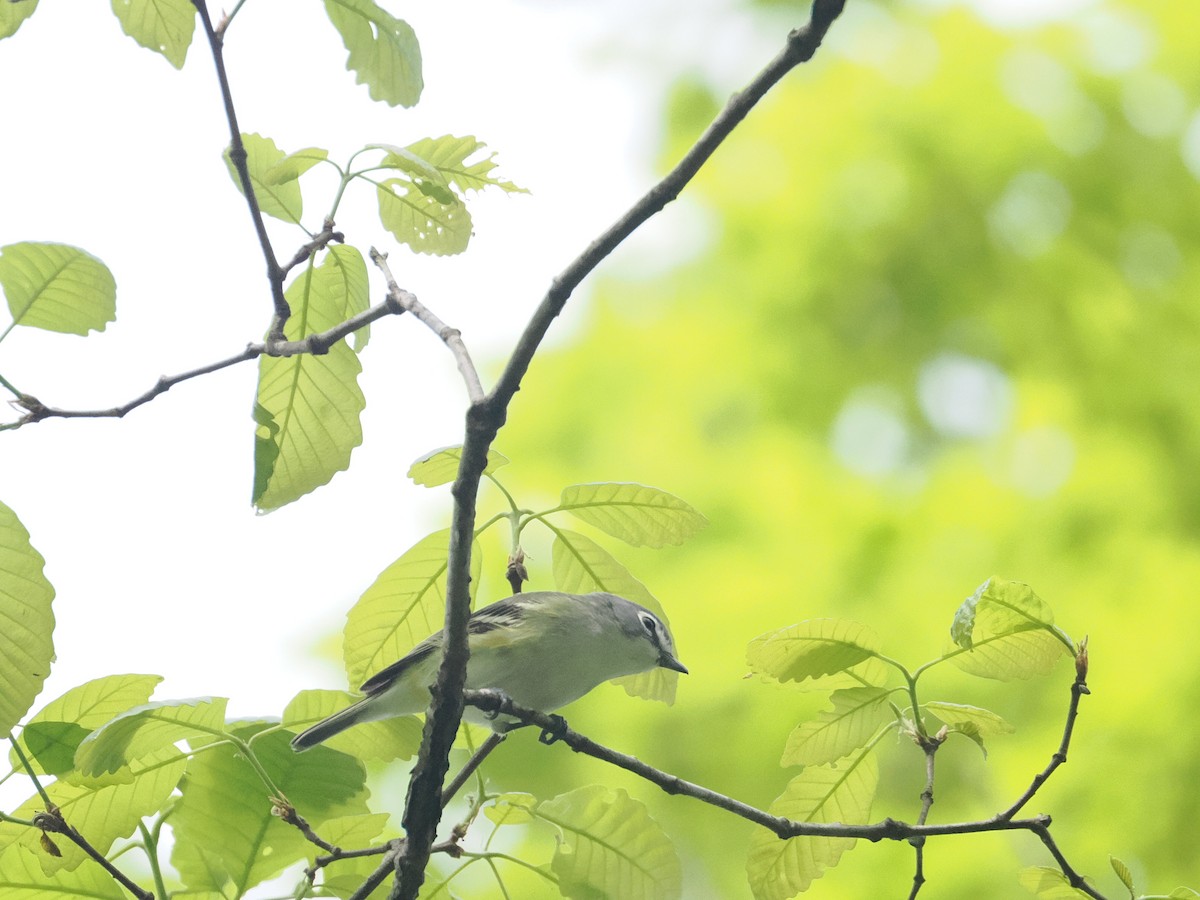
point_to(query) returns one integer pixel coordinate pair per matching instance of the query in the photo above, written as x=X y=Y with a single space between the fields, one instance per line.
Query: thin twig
x=52 y=821
x=484 y=420
x=930 y=746
x=451 y=337
x=494 y=740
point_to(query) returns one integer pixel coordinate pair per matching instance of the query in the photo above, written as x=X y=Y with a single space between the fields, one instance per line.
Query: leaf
x=581 y=566
x=971 y=721
x=102 y=813
x=294 y=165
x=57 y=288
x=839 y=731
x=12 y=15
x=1007 y=632
x=21 y=878
x=62 y=723
x=405 y=605
x=26 y=648
x=225 y=830
x=164 y=26
x=1123 y=873
x=383 y=50
x=428 y=224
x=440 y=466
x=1050 y=884
x=388 y=739
x=639 y=515
x=280 y=199
x=610 y=847
x=811 y=649
x=843 y=792
x=146 y=729
x=512 y=809
x=308 y=406
x=1183 y=893
x=444 y=159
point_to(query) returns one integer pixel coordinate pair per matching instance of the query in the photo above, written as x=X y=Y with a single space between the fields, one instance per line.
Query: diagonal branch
x=484 y=419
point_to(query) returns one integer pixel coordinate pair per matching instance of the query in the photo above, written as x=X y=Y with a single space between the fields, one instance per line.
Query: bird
x=543 y=649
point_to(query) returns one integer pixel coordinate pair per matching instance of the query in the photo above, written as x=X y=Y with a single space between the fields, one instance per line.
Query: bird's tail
x=335 y=724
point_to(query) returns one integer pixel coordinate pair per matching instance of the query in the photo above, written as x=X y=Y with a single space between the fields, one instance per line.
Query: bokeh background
x=929 y=316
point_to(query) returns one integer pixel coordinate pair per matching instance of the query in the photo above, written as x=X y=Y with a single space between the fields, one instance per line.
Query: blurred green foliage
x=941 y=322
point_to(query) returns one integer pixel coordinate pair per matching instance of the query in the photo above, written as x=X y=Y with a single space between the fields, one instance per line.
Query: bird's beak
x=667 y=661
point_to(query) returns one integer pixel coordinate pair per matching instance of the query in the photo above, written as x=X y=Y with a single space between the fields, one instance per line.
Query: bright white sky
x=159 y=562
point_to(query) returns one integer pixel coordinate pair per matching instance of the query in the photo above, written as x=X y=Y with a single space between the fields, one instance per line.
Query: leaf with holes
x=383 y=50
x=430 y=222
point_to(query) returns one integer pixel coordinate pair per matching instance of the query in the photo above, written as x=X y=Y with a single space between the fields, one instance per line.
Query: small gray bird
x=543 y=649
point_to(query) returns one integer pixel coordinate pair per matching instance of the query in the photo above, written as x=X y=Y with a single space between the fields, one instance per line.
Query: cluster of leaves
x=109 y=759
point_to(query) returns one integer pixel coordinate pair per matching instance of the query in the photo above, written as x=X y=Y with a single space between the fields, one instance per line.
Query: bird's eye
x=649 y=624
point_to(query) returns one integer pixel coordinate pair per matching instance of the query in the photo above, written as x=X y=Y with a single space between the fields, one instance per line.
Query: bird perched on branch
x=543 y=649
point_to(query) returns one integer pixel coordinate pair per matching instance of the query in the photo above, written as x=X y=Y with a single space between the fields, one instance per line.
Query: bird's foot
x=553 y=734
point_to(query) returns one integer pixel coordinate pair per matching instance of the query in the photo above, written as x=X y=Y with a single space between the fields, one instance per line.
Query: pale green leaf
x=811 y=649
x=21 y=878
x=57 y=288
x=309 y=406
x=1006 y=631
x=351 y=831
x=280 y=199
x=444 y=159
x=581 y=566
x=1183 y=893
x=1123 y=873
x=26 y=648
x=439 y=225
x=837 y=732
x=51 y=736
x=610 y=847
x=781 y=869
x=971 y=721
x=511 y=809
x=635 y=513
x=164 y=26
x=440 y=466
x=388 y=739
x=1049 y=884
x=383 y=50
x=12 y=15
x=294 y=165
x=225 y=831
x=146 y=729
x=405 y=605
x=102 y=813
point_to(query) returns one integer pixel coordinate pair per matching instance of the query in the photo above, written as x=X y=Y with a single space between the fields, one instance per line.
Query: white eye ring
x=650 y=625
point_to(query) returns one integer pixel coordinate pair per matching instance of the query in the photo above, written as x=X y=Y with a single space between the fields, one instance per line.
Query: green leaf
x=64 y=722
x=839 y=731
x=972 y=721
x=428 y=224
x=225 y=830
x=26 y=648
x=811 y=649
x=13 y=14
x=1007 y=632
x=1049 y=884
x=383 y=50
x=581 y=566
x=57 y=288
x=1123 y=873
x=512 y=809
x=294 y=165
x=164 y=26
x=308 y=406
x=351 y=831
x=405 y=605
x=440 y=466
x=280 y=199
x=1183 y=893
x=146 y=729
x=444 y=160
x=21 y=878
x=843 y=792
x=102 y=813
x=610 y=847
x=639 y=515
x=387 y=739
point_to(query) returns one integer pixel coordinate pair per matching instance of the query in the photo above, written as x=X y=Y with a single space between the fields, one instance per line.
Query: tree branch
x=52 y=821
x=487 y=415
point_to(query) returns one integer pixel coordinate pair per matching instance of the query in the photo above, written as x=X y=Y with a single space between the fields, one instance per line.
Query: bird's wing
x=382 y=679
